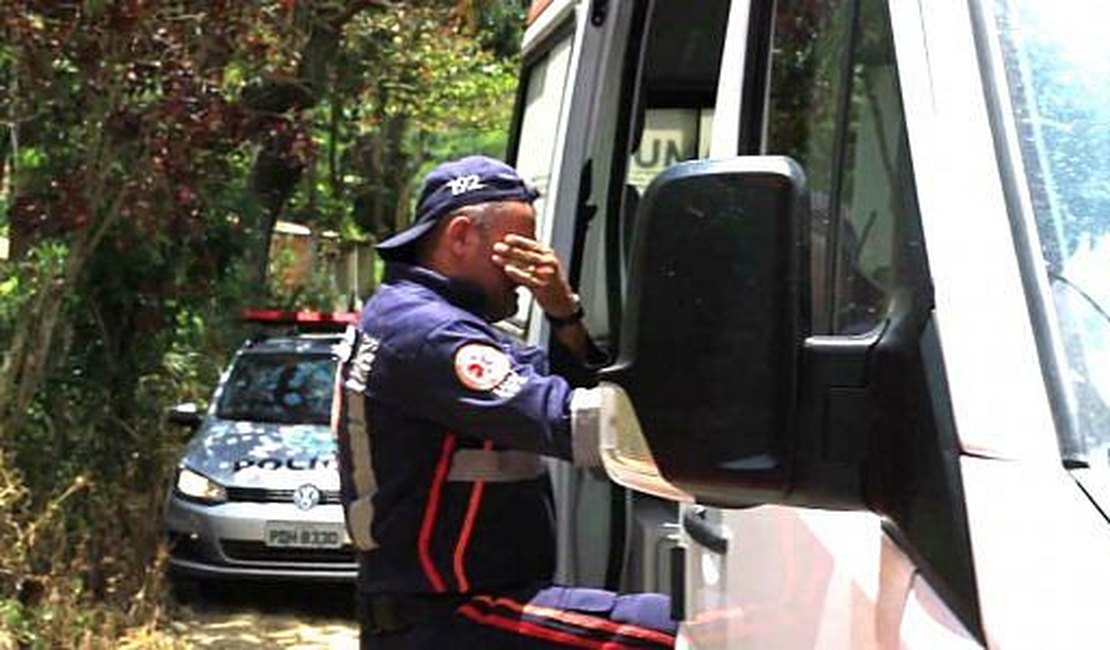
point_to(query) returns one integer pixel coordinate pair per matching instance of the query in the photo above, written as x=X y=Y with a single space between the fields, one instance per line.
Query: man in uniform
x=442 y=420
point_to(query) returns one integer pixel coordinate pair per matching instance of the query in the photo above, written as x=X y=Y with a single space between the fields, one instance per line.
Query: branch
x=28 y=537
x=354 y=8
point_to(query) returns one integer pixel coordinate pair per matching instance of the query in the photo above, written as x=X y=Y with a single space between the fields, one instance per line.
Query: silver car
x=256 y=493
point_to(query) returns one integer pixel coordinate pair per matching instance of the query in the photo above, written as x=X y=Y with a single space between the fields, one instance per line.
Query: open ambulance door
x=611 y=94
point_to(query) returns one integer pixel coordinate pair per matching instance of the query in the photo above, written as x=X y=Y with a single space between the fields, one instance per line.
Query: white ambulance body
x=853 y=260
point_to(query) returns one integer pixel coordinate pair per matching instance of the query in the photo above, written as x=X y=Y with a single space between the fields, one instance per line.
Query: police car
x=256 y=493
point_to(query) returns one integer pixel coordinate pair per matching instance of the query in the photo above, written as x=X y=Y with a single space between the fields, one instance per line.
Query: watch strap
x=577 y=315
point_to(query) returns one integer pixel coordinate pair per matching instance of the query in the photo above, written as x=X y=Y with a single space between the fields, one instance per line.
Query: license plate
x=291 y=534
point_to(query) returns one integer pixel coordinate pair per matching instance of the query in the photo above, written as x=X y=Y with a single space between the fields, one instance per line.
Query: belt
x=388 y=613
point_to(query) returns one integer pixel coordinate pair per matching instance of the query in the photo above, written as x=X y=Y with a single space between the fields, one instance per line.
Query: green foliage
x=147 y=149
x=407 y=84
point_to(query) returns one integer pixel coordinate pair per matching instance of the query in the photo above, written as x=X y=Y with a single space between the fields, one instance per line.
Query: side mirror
x=187 y=414
x=714 y=331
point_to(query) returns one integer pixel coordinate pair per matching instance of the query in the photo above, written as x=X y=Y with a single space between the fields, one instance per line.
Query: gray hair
x=481 y=215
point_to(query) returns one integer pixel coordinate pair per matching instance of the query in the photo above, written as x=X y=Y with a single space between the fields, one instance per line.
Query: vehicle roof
x=298 y=344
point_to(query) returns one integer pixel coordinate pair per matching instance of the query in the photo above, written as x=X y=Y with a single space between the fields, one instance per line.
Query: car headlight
x=199 y=487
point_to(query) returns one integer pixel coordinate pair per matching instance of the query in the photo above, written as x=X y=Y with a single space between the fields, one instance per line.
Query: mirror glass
x=709 y=350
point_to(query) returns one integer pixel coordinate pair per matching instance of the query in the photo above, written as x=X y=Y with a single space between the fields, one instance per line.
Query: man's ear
x=459 y=233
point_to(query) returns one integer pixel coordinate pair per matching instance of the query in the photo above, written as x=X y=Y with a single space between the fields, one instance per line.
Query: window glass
x=543 y=104
x=807 y=63
x=667 y=119
x=875 y=178
x=542 y=108
x=678 y=87
x=848 y=134
x=288 y=389
x=1057 y=65
x=670 y=135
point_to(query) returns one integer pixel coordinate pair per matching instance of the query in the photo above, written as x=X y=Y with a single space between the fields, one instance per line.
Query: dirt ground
x=268 y=615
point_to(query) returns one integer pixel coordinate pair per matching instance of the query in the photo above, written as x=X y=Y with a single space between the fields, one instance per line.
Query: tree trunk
x=275 y=175
x=26 y=363
x=25 y=366
x=6 y=134
x=402 y=167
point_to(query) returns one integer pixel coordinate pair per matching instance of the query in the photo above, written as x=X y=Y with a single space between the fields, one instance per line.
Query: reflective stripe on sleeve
x=495 y=466
x=360 y=511
x=365 y=348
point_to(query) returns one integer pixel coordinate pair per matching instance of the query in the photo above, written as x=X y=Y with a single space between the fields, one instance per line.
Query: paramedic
x=442 y=420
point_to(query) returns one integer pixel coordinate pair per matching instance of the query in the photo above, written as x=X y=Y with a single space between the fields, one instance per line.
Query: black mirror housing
x=187 y=414
x=715 y=324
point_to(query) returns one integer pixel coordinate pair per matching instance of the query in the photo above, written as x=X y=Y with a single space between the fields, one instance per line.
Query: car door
x=776 y=576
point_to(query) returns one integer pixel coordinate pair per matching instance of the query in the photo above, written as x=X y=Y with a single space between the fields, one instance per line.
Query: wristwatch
x=578 y=314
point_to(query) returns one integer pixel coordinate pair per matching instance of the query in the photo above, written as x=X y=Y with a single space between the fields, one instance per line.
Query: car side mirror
x=713 y=331
x=186 y=414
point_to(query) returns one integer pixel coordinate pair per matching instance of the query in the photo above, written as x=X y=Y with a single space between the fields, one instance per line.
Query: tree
x=405 y=80
x=146 y=149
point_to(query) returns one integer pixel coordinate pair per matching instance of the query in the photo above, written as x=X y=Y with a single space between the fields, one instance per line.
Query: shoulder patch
x=480 y=366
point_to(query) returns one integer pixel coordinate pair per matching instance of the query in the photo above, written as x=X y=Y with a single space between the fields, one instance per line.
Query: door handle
x=706 y=533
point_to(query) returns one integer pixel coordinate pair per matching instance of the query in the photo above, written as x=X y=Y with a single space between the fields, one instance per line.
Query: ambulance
x=851 y=260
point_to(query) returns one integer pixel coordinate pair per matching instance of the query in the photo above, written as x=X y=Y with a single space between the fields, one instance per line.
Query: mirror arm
x=838 y=411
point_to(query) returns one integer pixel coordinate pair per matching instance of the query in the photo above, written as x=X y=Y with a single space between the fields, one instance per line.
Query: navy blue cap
x=450 y=186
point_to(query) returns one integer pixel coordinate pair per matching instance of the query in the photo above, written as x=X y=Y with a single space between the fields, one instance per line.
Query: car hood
x=263 y=455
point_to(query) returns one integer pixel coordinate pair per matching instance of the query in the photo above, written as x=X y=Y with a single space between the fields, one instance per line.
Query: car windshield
x=1057 y=64
x=282 y=388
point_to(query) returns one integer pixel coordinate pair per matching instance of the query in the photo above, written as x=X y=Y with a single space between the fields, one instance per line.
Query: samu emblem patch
x=481 y=367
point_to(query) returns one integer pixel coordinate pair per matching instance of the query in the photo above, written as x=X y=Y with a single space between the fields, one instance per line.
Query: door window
x=835 y=108
x=807 y=80
x=541 y=108
x=666 y=105
x=875 y=192
x=669 y=136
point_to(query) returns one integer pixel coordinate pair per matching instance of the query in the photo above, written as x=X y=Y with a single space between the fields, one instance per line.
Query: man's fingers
x=528 y=250
x=526 y=243
x=525 y=256
x=506 y=262
x=523 y=276
x=535 y=276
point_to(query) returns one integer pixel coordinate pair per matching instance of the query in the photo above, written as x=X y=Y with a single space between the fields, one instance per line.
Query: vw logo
x=306 y=497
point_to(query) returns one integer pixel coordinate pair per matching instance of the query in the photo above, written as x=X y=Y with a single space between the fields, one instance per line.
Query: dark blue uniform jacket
x=441 y=426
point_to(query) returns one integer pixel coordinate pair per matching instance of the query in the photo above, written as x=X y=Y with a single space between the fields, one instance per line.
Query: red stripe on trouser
x=468 y=528
x=582 y=620
x=537 y=631
x=430 y=510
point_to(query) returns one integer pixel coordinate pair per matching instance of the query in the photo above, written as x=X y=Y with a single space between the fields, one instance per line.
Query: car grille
x=259 y=552
x=262 y=495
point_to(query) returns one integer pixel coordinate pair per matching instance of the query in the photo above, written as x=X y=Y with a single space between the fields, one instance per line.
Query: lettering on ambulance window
x=670 y=136
x=808 y=50
x=546 y=80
